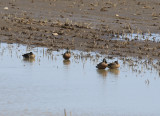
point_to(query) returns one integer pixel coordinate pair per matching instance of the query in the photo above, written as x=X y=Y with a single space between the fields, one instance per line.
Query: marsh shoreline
x=82 y=25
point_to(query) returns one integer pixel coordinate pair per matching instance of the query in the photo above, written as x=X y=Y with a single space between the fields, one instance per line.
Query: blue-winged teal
x=67 y=54
x=114 y=65
x=28 y=55
x=102 y=65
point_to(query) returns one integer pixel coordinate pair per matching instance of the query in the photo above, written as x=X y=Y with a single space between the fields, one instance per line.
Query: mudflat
x=88 y=25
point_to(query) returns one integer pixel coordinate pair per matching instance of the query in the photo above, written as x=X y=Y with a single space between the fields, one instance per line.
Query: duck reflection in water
x=66 y=62
x=114 y=71
x=29 y=60
x=102 y=72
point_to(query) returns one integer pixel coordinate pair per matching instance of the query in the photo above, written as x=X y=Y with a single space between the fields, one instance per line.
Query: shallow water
x=48 y=85
x=134 y=36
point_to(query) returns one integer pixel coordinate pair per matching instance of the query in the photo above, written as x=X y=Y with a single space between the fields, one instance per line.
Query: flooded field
x=49 y=85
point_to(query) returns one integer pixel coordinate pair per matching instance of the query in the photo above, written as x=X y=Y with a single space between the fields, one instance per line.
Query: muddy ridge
x=82 y=24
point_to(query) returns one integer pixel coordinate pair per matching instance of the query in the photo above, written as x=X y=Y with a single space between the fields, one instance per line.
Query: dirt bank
x=86 y=25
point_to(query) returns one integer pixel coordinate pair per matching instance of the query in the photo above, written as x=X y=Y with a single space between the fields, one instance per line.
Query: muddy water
x=48 y=85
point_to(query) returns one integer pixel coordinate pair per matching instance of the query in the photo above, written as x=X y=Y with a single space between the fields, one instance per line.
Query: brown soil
x=86 y=25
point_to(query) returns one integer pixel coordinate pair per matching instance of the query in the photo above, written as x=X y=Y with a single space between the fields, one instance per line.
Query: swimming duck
x=102 y=65
x=28 y=55
x=114 y=65
x=67 y=54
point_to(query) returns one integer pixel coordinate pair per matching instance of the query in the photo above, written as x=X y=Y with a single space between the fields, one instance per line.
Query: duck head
x=116 y=62
x=68 y=51
x=104 y=60
x=31 y=53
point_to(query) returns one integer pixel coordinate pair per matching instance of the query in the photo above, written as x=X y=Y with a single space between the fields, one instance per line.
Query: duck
x=67 y=54
x=114 y=65
x=29 y=55
x=102 y=65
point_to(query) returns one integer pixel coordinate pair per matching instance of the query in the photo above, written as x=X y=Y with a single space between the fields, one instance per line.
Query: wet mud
x=83 y=25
